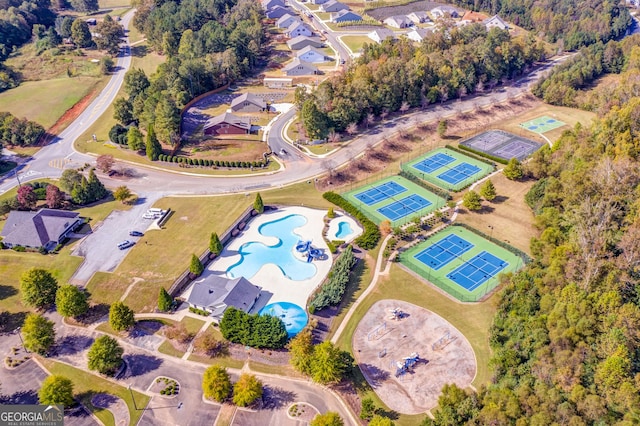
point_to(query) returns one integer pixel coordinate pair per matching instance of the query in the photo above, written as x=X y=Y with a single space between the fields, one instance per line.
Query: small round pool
x=344 y=230
x=294 y=317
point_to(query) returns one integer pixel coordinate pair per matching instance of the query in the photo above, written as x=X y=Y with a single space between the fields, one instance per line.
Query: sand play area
x=445 y=355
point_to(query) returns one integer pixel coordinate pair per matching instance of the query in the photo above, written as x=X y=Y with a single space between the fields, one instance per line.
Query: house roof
x=277 y=9
x=339 y=14
x=248 y=97
x=217 y=293
x=297 y=25
x=334 y=3
x=419 y=15
x=445 y=9
x=297 y=62
x=36 y=229
x=268 y=4
x=495 y=19
x=228 y=118
x=309 y=49
x=284 y=18
x=301 y=38
x=474 y=16
x=420 y=32
x=382 y=33
x=399 y=20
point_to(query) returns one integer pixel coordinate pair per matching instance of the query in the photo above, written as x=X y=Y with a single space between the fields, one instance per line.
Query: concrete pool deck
x=276 y=287
x=356 y=230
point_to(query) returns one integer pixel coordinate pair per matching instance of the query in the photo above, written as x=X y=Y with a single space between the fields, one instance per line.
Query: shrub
x=371 y=235
x=333 y=289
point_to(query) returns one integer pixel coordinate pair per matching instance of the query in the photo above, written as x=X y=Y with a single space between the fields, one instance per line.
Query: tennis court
x=461 y=262
x=443 y=251
x=542 y=124
x=476 y=271
x=501 y=144
x=380 y=192
x=404 y=207
x=395 y=199
x=447 y=169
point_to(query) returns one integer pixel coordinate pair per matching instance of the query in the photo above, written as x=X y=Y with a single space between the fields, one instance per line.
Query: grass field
x=411 y=188
x=355 y=43
x=439 y=277
x=85 y=385
x=111 y=4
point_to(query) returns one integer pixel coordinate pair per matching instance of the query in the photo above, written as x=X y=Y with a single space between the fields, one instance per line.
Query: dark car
x=136 y=234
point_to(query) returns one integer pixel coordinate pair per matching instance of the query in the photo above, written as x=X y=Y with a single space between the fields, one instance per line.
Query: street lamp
x=132 y=398
x=17 y=331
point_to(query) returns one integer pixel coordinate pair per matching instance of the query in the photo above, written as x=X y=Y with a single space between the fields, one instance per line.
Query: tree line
x=18 y=131
x=393 y=76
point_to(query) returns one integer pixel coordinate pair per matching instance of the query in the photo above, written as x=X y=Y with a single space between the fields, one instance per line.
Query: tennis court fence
x=526 y=259
x=442 y=283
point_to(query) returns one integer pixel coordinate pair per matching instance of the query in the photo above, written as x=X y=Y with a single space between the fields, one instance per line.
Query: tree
x=121 y=317
x=215 y=245
x=84 y=5
x=153 y=146
x=105 y=355
x=54 y=197
x=328 y=363
x=135 y=142
x=70 y=179
x=39 y=334
x=368 y=409
x=378 y=420
x=352 y=129
x=246 y=390
x=330 y=213
x=472 y=201
x=105 y=163
x=167 y=121
x=106 y=64
x=80 y=33
x=385 y=227
x=38 y=288
x=258 y=205
x=26 y=197
x=135 y=82
x=95 y=188
x=442 y=128
x=56 y=390
x=330 y=418
x=123 y=111
x=216 y=384
x=488 y=191
x=122 y=193
x=71 y=301
x=206 y=343
x=513 y=170
x=196 y=267
x=315 y=121
x=111 y=33
x=164 y=300
x=301 y=351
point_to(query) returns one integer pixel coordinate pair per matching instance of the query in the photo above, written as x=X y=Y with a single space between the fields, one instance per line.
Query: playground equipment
x=406 y=364
x=306 y=249
x=443 y=341
x=396 y=314
x=377 y=332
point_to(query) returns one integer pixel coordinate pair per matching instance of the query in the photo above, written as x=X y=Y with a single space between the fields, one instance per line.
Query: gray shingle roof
x=228 y=118
x=248 y=97
x=36 y=229
x=217 y=293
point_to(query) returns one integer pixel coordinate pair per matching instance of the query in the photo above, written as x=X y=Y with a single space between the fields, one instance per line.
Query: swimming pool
x=292 y=315
x=344 y=230
x=254 y=255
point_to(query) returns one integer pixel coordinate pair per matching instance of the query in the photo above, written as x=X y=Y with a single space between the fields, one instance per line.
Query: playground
x=408 y=355
x=501 y=144
x=461 y=263
x=395 y=199
x=447 y=169
x=542 y=124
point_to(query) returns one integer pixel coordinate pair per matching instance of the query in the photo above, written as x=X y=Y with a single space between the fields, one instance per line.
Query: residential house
x=248 y=102
x=442 y=11
x=301 y=42
x=286 y=20
x=381 y=34
x=471 y=17
x=270 y=4
x=418 y=34
x=277 y=83
x=319 y=1
x=298 y=67
x=299 y=29
x=345 y=16
x=495 y=22
x=45 y=228
x=278 y=12
x=333 y=6
x=398 y=21
x=311 y=54
x=227 y=124
x=419 y=17
x=215 y=294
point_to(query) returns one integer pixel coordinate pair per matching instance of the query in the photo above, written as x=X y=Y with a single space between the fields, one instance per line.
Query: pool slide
x=303 y=246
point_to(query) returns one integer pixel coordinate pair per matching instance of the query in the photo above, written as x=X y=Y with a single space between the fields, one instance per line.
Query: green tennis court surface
x=461 y=262
x=447 y=169
x=395 y=199
x=542 y=124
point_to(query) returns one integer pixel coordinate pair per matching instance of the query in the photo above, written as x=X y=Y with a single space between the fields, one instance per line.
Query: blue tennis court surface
x=459 y=173
x=477 y=270
x=404 y=207
x=380 y=192
x=434 y=162
x=444 y=251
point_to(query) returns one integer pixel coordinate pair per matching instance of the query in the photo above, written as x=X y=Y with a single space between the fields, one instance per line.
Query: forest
x=575 y=23
x=393 y=76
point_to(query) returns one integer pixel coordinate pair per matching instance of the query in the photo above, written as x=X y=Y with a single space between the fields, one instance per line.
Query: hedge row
x=371 y=235
x=210 y=163
x=331 y=292
x=484 y=155
x=524 y=256
x=433 y=189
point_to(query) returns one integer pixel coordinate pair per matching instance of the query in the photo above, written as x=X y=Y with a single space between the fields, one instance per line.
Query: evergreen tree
x=135 y=141
x=153 y=146
x=258 y=205
x=121 y=317
x=215 y=245
x=216 y=384
x=315 y=121
x=442 y=128
x=96 y=189
x=488 y=191
x=164 y=300
x=80 y=33
x=246 y=390
x=196 y=267
x=472 y=201
x=513 y=170
x=167 y=123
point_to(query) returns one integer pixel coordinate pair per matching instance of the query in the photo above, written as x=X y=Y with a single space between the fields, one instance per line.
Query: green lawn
x=193 y=325
x=85 y=385
x=354 y=43
x=167 y=348
x=112 y=4
x=27 y=101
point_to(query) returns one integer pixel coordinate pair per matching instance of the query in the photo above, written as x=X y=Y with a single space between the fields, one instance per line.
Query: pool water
x=344 y=230
x=254 y=255
x=293 y=316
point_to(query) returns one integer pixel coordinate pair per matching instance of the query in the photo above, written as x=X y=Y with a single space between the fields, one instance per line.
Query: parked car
x=125 y=244
x=136 y=234
x=148 y=216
